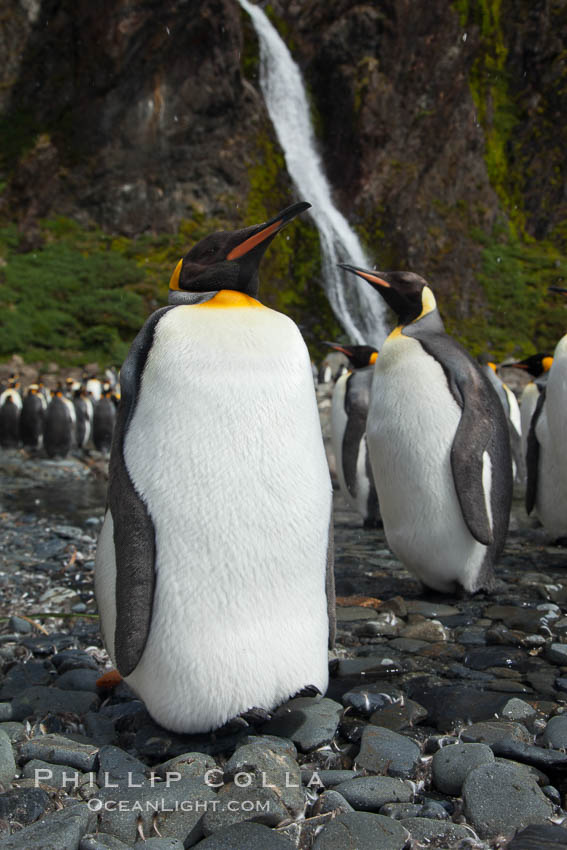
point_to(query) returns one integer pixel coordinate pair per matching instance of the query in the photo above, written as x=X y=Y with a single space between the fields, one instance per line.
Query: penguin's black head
x=535 y=365
x=229 y=259
x=406 y=293
x=359 y=355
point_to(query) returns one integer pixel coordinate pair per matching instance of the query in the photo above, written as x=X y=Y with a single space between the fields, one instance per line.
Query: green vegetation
x=84 y=294
x=522 y=316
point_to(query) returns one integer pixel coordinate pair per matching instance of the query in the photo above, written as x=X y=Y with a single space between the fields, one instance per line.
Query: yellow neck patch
x=373 y=358
x=229 y=298
x=428 y=303
x=174 y=281
x=547 y=363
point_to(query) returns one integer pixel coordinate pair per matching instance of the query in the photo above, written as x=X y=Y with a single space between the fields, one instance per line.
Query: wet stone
x=363 y=831
x=384 y=751
x=496 y=656
x=399 y=716
x=399 y=811
x=557 y=653
x=500 y=798
x=159 y=805
x=547 y=836
x=430 y=631
x=370 y=793
x=7 y=760
x=450 y=765
x=115 y=765
x=57 y=749
x=379 y=664
x=449 y=705
x=309 y=723
x=519 y=710
x=73 y=659
x=13 y=729
x=60 y=830
x=81 y=679
x=496 y=730
x=17 y=624
x=102 y=841
x=538 y=757
x=23 y=805
x=262 y=759
x=430 y=609
x=23 y=676
x=252 y=836
x=555 y=733
x=428 y=830
x=56 y=776
x=516 y=617
x=371 y=697
x=329 y=778
x=331 y=801
x=187 y=764
x=40 y=699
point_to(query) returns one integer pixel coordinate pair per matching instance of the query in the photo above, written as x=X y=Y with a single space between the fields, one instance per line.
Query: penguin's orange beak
x=267 y=230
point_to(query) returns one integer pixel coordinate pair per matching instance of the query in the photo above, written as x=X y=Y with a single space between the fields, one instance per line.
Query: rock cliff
x=441 y=125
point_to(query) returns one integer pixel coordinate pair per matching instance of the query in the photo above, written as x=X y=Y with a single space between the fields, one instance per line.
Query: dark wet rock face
x=432 y=740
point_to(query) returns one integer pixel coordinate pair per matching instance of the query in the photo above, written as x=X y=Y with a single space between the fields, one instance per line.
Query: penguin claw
x=256 y=716
x=253 y=717
x=308 y=691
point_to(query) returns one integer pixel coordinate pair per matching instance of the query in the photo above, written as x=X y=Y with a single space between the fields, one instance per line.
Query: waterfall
x=358 y=308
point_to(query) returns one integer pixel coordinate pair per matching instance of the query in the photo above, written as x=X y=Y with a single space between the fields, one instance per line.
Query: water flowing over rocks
x=444 y=723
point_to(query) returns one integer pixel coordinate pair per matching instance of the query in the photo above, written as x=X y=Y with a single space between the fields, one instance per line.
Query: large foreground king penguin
x=214 y=563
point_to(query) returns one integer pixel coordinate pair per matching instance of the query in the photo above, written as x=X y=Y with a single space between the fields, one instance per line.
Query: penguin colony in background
x=75 y=415
x=213 y=575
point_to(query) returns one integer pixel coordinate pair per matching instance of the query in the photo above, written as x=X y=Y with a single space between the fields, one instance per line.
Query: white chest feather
x=225 y=447
x=410 y=429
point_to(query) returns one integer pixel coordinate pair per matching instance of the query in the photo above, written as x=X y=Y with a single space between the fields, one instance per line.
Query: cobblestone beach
x=443 y=725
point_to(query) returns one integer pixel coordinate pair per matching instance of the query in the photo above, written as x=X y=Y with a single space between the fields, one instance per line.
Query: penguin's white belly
x=528 y=404
x=225 y=448
x=411 y=425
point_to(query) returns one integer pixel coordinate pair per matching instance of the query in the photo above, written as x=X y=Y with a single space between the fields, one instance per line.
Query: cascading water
x=357 y=307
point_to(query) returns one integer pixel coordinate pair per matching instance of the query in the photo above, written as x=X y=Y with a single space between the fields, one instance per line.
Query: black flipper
x=482 y=427
x=134 y=534
x=532 y=455
x=330 y=584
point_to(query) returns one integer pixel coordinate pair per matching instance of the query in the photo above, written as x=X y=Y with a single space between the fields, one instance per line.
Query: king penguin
x=214 y=565
x=538 y=366
x=439 y=445
x=546 y=461
x=31 y=419
x=349 y=409
x=10 y=412
x=59 y=425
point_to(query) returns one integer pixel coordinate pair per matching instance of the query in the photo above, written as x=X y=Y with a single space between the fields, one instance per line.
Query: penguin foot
x=307 y=691
x=109 y=680
x=373 y=522
x=253 y=717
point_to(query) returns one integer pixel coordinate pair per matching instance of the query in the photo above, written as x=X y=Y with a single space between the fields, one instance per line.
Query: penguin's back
x=224 y=446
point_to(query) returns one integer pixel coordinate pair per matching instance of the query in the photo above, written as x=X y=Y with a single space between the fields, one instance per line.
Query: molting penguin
x=213 y=567
x=439 y=445
x=31 y=418
x=349 y=409
x=59 y=425
x=546 y=457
